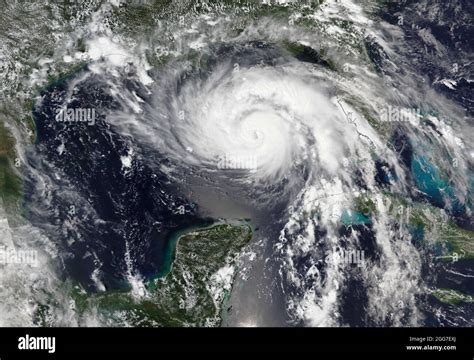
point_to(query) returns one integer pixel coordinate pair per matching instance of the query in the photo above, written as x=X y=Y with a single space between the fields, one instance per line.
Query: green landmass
x=371 y=117
x=10 y=182
x=308 y=54
x=445 y=235
x=191 y=294
x=365 y=205
x=450 y=296
x=458 y=241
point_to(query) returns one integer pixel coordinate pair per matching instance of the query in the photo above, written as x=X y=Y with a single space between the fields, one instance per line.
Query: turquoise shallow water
x=170 y=250
x=428 y=180
x=354 y=218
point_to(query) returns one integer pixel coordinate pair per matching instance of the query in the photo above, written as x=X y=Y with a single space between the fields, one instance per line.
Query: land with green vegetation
x=445 y=235
x=453 y=297
x=10 y=182
x=192 y=293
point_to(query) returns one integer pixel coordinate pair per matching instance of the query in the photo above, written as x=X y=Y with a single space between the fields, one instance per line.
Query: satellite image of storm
x=236 y=163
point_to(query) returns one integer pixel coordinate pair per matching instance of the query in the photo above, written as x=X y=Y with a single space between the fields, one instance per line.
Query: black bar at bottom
x=446 y=343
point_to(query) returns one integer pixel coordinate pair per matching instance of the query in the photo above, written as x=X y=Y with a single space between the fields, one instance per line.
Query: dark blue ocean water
x=117 y=214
